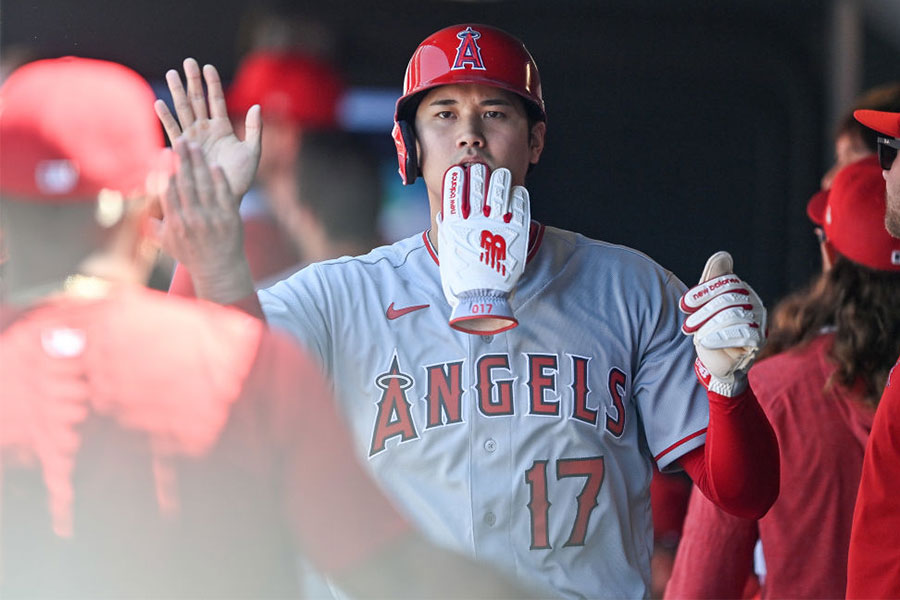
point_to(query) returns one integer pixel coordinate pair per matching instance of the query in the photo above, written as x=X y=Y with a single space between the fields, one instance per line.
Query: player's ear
x=536 y=141
x=828 y=254
x=418 y=153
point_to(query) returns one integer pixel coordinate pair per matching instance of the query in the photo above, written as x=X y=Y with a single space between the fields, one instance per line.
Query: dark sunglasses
x=887 y=151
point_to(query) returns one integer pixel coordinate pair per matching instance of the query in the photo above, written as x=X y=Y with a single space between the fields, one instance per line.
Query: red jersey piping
x=679 y=443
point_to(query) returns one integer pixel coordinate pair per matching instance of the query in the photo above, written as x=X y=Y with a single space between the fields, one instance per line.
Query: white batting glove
x=482 y=240
x=728 y=322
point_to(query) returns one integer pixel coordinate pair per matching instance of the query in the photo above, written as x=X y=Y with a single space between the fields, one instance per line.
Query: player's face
x=473 y=123
x=892 y=214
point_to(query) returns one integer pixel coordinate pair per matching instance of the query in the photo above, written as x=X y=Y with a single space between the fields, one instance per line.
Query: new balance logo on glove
x=483 y=243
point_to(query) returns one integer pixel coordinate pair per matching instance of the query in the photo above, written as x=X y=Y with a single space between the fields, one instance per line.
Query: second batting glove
x=728 y=323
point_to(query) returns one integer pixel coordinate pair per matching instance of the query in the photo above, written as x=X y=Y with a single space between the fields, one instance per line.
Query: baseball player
x=508 y=383
x=874 y=560
x=153 y=446
x=837 y=345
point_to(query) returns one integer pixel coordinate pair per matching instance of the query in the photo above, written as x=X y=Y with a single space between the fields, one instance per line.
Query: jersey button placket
x=490 y=435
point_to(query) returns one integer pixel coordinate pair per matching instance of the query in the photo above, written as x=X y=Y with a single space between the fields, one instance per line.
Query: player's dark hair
x=860 y=305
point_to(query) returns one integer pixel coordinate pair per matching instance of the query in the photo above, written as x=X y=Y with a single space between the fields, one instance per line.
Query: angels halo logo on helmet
x=467 y=53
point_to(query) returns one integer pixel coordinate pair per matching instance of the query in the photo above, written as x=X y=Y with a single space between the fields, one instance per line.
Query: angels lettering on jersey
x=556 y=386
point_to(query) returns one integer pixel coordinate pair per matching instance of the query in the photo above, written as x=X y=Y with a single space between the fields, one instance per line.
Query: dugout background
x=677 y=127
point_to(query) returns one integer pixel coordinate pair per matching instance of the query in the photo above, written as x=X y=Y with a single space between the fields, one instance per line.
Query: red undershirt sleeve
x=738 y=466
x=183 y=286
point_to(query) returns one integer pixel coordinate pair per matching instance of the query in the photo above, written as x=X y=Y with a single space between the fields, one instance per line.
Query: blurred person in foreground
x=819 y=385
x=873 y=569
x=154 y=446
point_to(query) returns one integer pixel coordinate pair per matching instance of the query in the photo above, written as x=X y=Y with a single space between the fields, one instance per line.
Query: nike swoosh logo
x=392 y=313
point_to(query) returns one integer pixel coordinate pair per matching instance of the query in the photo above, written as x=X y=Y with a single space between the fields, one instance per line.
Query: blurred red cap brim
x=815 y=208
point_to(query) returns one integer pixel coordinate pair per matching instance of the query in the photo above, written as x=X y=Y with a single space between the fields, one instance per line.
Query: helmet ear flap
x=405 y=139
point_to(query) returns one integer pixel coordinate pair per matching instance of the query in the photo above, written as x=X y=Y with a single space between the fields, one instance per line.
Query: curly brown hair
x=862 y=307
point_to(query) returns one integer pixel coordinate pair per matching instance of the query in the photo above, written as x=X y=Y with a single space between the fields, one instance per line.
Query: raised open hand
x=209 y=126
x=201 y=227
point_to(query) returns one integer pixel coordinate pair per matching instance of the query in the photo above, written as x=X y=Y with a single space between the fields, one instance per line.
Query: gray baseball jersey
x=530 y=449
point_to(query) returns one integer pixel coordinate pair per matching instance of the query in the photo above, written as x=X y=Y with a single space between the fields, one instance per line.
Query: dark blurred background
x=677 y=127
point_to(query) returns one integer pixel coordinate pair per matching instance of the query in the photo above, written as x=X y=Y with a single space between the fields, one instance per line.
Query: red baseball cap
x=70 y=127
x=854 y=217
x=285 y=84
x=815 y=208
x=887 y=123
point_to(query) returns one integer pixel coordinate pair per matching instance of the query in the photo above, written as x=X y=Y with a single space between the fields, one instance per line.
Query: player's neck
x=35 y=280
x=433 y=237
x=78 y=285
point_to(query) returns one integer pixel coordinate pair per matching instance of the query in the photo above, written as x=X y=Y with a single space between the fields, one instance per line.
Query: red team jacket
x=156 y=446
x=874 y=564
x=805 y=535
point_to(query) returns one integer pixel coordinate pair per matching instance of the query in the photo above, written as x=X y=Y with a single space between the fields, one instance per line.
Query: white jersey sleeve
x=665 y=386
x=300 y=305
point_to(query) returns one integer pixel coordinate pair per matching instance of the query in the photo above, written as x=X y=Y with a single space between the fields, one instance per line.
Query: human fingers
x=184 y=180
x=157 y=179
x=253 y=129
x=498 y=194
x=183 y=109
x=722 y=302
x=217 y=106
x=477 y=179
x=454 y=182
x=203 y=182
x=195 y=89
x=717 y=265
x=520 y=207
x=734 y=328
x=171 y=217
x=224 y=197
x=704 y=292
x=168 y=121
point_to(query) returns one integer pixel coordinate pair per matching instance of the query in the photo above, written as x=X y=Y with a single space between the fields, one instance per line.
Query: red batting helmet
x=466 y=53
